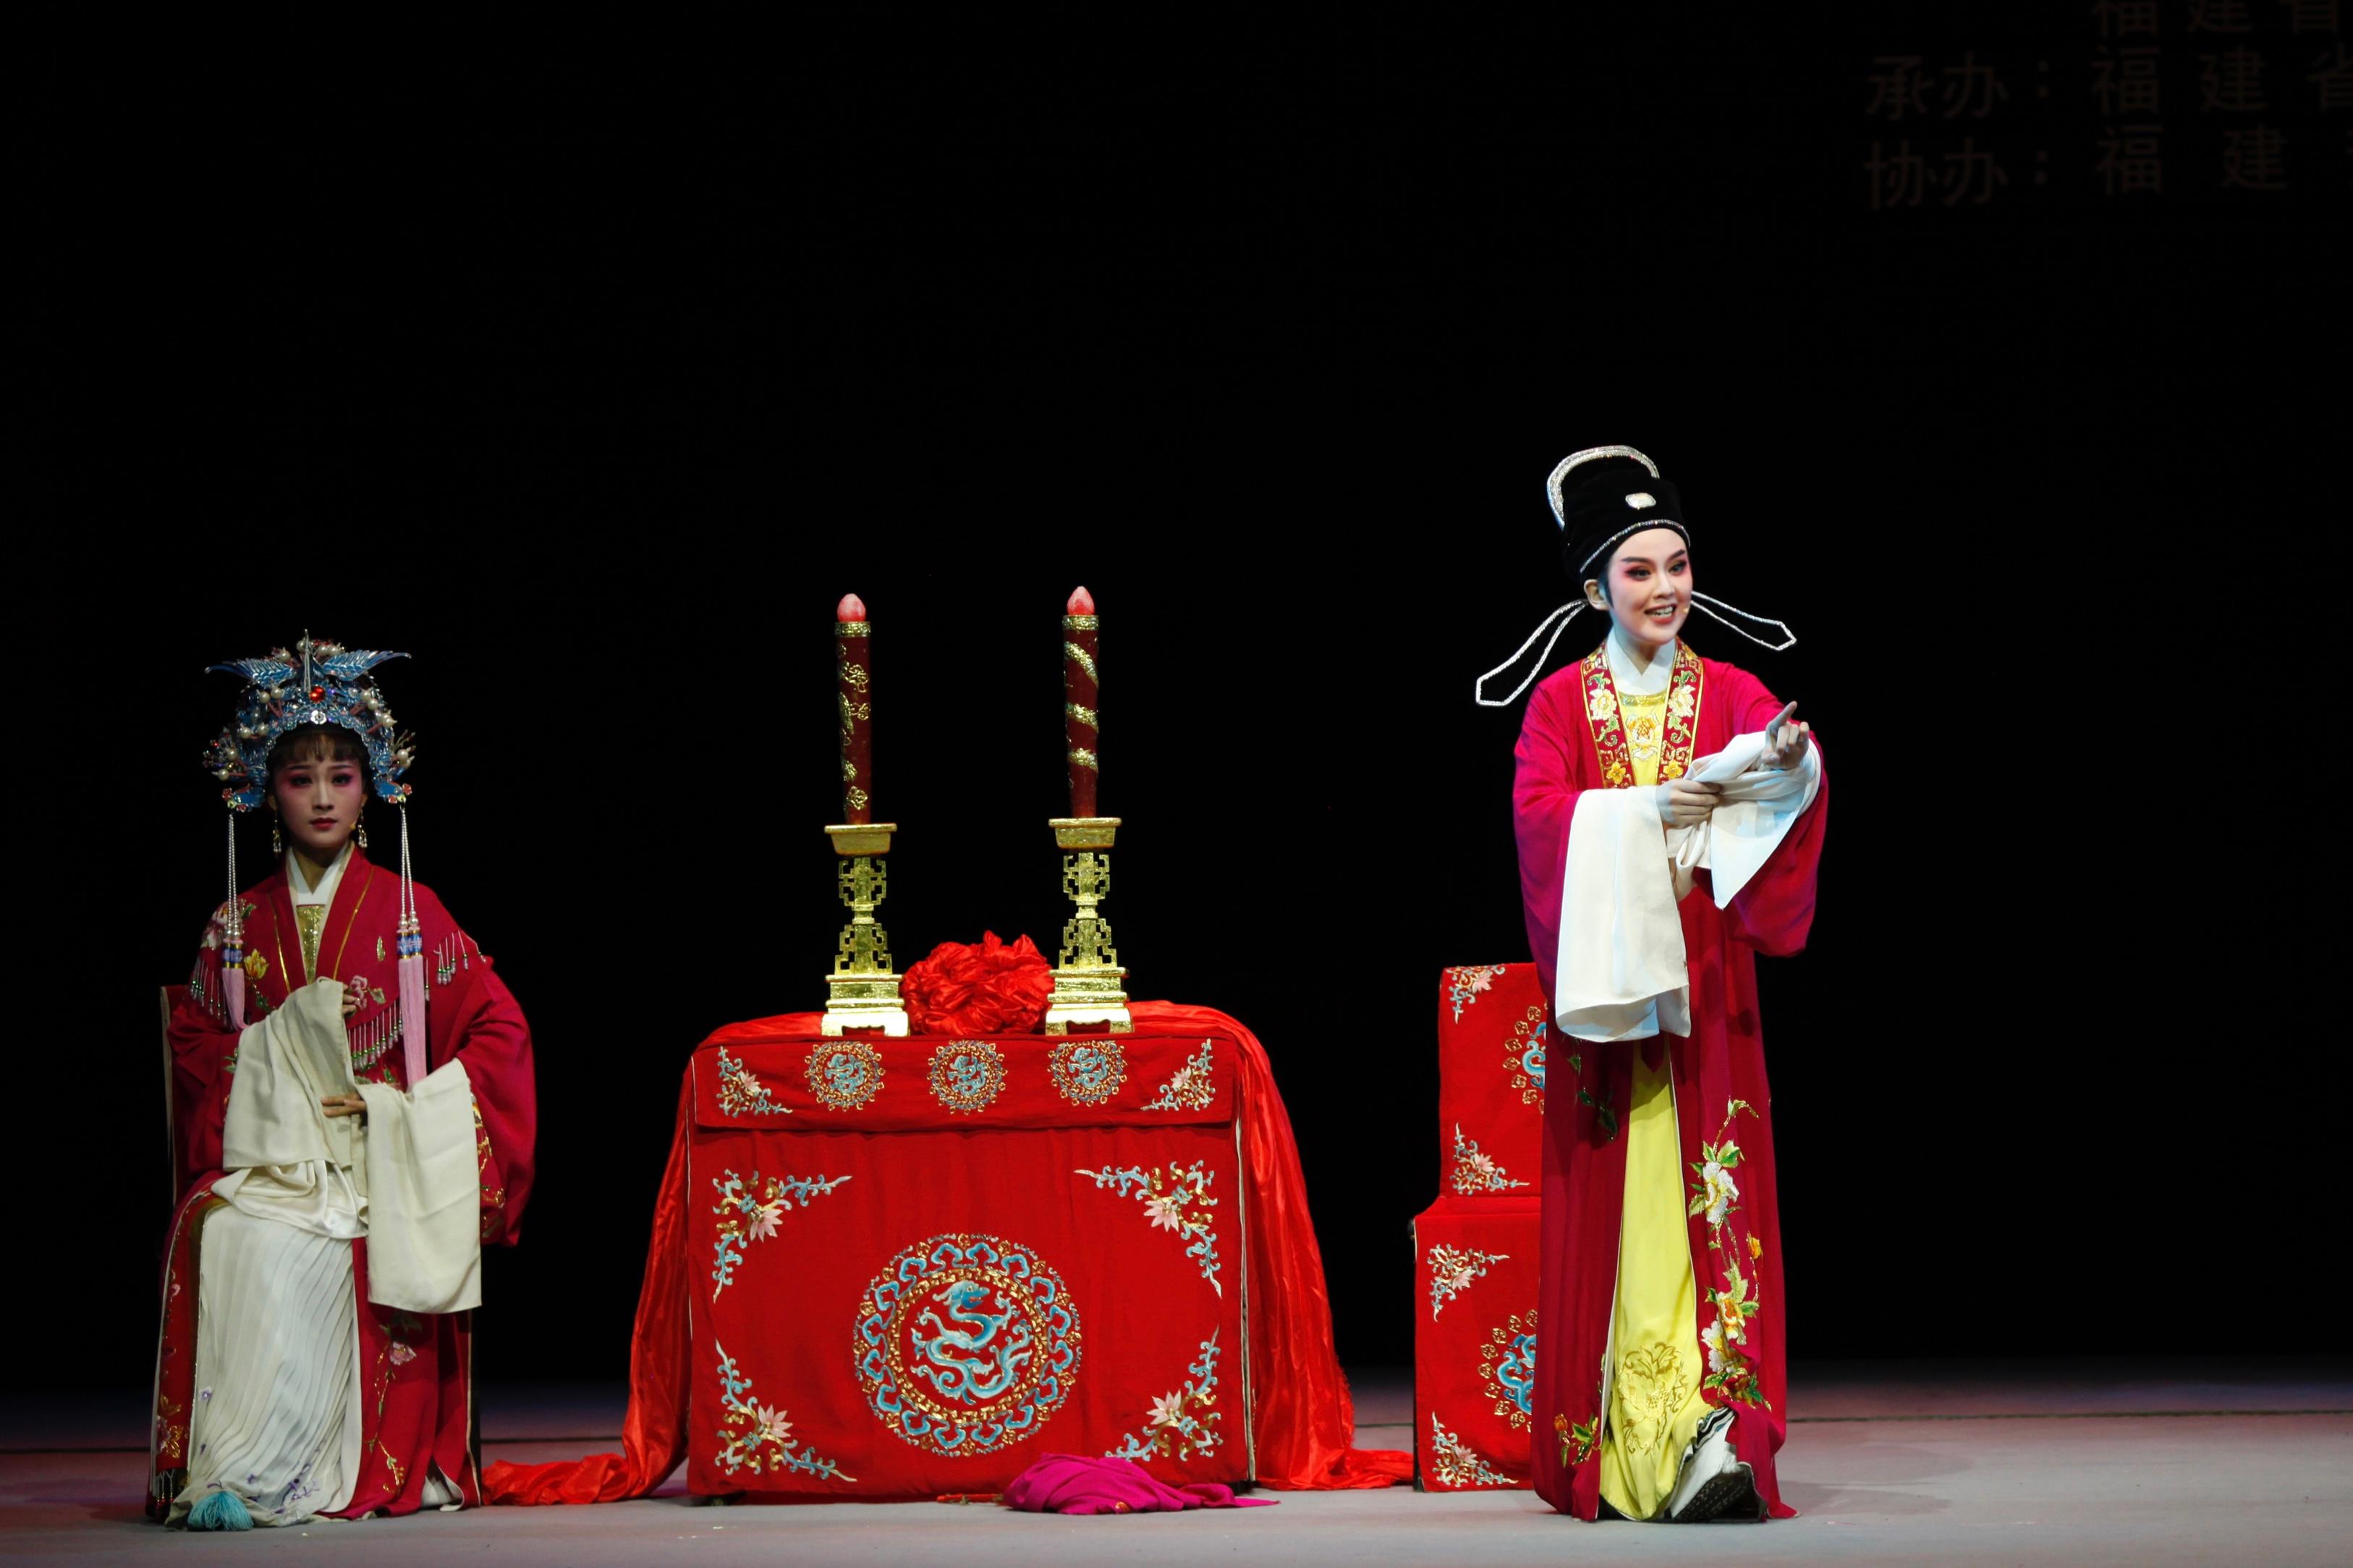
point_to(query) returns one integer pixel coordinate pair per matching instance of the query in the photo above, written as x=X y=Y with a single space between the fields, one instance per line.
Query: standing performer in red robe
x=1670 y=817
x=354 y=1115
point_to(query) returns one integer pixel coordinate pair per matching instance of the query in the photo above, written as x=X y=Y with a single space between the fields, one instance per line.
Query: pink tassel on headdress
x=233 y=940
x=412 y=969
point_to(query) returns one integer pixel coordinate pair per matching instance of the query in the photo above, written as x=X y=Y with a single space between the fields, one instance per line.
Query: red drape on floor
x=1306 y=1417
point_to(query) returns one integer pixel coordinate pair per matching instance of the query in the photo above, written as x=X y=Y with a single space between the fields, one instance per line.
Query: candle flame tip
x=1081 y=603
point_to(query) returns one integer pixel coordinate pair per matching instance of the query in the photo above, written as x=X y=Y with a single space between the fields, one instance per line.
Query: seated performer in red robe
x=1668 y=812
x=354 y=1114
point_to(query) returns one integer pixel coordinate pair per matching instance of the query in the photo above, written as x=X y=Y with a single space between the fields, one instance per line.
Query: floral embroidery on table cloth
x=1183 y=1422
x=967 y=1076
x=1176 y=1199
x=740 y=1092
x=845 y=1074
x=757 y=1437
x=1194 y=1087
x=1088 y=1072
x=750 y=1210
x=965 y=1343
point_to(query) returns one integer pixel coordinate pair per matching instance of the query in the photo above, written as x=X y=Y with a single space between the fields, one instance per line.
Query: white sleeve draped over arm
x=425 y=1221
x=405 y=1177
x=1622 y=971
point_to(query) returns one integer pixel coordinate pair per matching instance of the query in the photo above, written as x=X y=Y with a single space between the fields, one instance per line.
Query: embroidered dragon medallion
x=845 y=1074
x=967 y=1076
x=966 y=1344
x=1088 y=1072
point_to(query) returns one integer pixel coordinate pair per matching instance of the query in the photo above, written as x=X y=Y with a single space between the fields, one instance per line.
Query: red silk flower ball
x=966 y=991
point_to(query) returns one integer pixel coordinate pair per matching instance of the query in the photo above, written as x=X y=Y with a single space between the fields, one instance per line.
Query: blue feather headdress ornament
x=317 y=683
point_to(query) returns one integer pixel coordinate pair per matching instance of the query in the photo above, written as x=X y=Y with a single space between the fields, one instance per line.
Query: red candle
x=853 y=659
x=1081 y=700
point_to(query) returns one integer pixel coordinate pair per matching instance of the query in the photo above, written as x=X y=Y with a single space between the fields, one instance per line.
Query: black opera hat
x=1604 y=495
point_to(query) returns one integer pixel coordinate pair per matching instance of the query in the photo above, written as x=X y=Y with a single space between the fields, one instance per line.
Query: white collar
x=325 y=893
x=1630 y=677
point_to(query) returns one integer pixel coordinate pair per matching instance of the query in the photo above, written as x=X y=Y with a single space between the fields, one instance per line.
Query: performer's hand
x=1683 y=803
x=1785 y=744
x=343 y=1105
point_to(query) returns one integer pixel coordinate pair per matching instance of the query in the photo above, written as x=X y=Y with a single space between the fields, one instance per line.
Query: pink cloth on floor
x=1065 y=1483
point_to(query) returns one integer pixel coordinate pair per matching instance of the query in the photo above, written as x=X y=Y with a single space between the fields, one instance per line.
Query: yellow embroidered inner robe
x=1654 y=1400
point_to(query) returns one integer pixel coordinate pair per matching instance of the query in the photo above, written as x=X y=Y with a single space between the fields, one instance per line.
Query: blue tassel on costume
x=221 y=1511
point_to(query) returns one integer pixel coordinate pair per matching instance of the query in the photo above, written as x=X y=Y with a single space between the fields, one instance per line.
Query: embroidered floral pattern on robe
x=1577 y=1440
x=1715 y=1193
x=1177 y=1200
x=1182 y=1422
x=1610 y=739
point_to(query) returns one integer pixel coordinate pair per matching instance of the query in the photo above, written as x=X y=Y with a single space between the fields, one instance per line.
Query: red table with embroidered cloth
x=900 y=1268
x=925 y=1262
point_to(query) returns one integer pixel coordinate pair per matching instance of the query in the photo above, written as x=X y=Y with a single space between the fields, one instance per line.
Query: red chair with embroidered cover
x=1476 y=1248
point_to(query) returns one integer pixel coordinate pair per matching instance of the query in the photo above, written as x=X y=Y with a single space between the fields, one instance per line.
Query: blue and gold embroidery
x=1194 y=1087
x=740 y=1092
x=1177 y=1200
x=845 y=1074
x=1088 y=1072
x=1507 y=1365
x=966 y=1345
x=1183 y=1422
x=967 y=1076
x=749 y=1211
x=759 y=1437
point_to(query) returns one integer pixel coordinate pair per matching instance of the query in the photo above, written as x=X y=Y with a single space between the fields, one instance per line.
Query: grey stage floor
x=2080 y=1464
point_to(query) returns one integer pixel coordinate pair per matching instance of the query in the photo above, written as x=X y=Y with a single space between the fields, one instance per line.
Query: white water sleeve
x=1620 y=974
x=1759 y=805
x=288 y=1161
x=425 y=1224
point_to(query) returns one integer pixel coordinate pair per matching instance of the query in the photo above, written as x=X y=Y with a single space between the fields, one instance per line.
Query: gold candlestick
x=863 y=989
x=1086 y=981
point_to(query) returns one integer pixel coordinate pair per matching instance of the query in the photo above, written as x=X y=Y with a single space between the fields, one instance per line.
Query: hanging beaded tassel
x=233 y=940
x=412 y=967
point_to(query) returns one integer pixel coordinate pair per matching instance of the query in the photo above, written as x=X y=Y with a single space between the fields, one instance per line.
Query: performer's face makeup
x=318 y=800
x=1647 y=590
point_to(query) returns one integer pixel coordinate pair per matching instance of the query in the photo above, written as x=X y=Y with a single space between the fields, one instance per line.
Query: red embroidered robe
x=417 y=1370
x=1722 y=1100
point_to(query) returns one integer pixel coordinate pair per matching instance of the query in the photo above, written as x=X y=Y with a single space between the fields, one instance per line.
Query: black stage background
x=592 y=381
